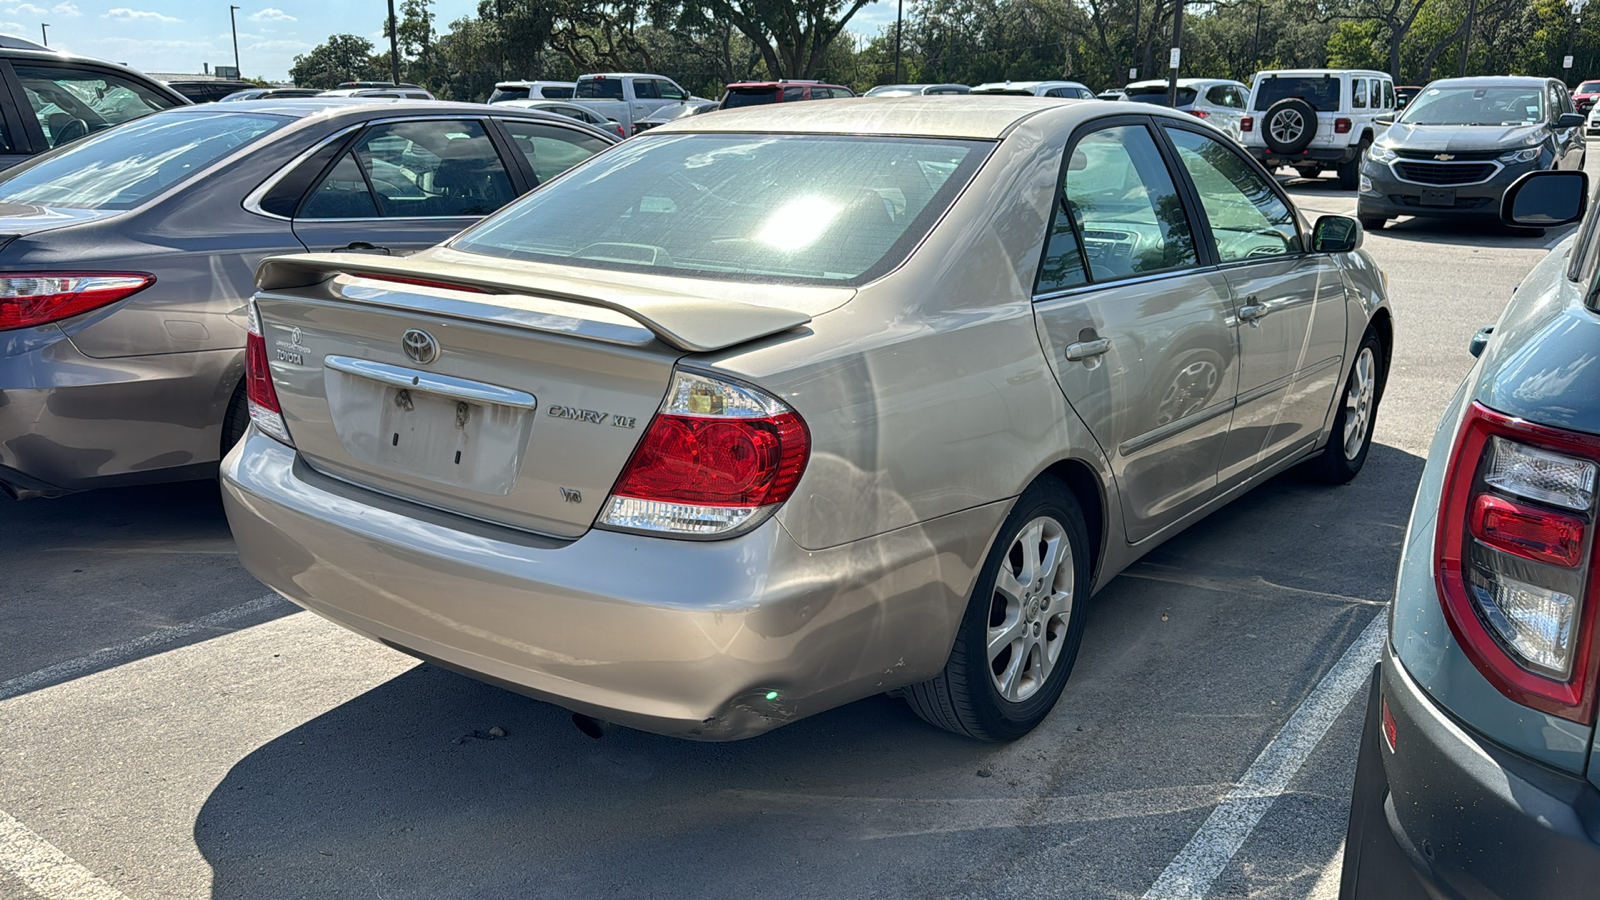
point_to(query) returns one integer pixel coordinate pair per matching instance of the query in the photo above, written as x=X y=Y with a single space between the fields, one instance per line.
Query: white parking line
x=99 y=659
x=45 y=870
x=1190 y=875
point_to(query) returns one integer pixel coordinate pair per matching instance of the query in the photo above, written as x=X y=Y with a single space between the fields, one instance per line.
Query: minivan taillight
x=1514 y=559
x=265 y=412
x=718 y=458
x=28 y=299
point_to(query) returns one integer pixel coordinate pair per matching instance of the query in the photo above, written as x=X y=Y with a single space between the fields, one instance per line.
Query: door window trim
x=1205 y=253
x=23 y=141
x=1277 y=190
x=252 y=200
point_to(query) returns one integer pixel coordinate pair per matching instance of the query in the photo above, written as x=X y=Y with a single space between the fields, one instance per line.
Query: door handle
x=364 y=247
x=1087 y=349
x=1252 y=312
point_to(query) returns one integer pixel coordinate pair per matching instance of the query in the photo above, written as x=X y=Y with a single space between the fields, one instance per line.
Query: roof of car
x=506 y=84
x=56 y=56
x=956 y=116
x=1274 y=72
x=1183 y=82
x=1026 y=85
x=332 y=107
x=738 y=85
x=1493 y=81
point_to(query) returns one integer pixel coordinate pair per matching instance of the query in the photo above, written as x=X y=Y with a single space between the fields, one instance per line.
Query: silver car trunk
x=519 y=408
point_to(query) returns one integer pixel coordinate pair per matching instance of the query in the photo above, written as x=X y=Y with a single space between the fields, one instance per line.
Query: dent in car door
x=404 y=186
x=1289 y=309
x=1137 y=333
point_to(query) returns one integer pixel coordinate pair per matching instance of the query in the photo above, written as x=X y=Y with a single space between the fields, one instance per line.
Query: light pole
x=234 y=24
x=899 y=19
x=1466 y=39
x=394 y=48
x=43 y=33
x=1177 y=43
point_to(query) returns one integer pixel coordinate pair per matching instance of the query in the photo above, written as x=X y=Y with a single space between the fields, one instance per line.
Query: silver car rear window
x=809 y=209
x=121 y=167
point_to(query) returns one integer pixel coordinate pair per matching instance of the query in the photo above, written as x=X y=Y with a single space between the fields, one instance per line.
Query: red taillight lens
x=1514 y=560
x=1248 y=123
x=1391 y=731
x=1341 y=126
x=1528 y=531
x=265 y=412
x=1199 y=114
x=718 y=458
x=28 y=299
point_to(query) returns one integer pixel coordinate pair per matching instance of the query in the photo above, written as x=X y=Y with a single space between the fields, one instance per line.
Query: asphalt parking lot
x=166 y=730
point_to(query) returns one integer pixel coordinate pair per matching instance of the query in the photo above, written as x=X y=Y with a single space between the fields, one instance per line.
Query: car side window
x=645 y=89
x=550 y=150
x=423 y=169
x=1126 y=209
x=72 y=103
x=1247 y=217
x=670 y=91
x=1359 y=95
x=1388 y=95
x=343 y=194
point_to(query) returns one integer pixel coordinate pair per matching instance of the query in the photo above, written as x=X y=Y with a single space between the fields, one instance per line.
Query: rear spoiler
x=693 y=324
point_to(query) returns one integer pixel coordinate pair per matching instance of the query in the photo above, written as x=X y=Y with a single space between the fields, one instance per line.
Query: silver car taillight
x=265 y=412
x=718 y=458
x=1514 y=559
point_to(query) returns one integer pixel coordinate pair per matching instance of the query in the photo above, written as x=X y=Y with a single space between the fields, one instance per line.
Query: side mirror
x=1480 y=340
x=1385 y=121
x=1336 y=234
x=1569 y=120
x=1546 y=199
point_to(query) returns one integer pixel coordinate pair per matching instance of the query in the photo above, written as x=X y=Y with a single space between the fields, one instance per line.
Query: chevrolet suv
x=1316 y=119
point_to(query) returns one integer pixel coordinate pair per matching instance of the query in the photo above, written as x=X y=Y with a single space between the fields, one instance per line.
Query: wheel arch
x=1087 y=489
x=1383 y=324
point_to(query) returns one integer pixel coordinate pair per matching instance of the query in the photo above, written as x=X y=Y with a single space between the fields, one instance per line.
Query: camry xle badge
x=1444 y=157
x=420 y=346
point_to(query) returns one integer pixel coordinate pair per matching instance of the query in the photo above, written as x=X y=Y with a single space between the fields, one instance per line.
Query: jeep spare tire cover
x=1289 y=125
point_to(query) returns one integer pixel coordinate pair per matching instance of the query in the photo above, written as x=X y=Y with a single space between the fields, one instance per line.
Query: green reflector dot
x=772 y=695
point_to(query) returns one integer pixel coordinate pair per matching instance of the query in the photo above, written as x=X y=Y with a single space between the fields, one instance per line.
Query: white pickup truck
x=628 y=97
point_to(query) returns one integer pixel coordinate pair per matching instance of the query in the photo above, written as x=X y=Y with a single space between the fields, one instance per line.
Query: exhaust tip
x=592 y=727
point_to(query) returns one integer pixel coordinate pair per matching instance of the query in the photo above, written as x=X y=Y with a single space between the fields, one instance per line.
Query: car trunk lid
x=490 y=392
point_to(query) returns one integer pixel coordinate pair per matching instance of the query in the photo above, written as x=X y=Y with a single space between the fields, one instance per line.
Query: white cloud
x=124 y=14
x=13 y=28
x=271 y=14
x=26 y=9
x=269 y=46
x=68 y=10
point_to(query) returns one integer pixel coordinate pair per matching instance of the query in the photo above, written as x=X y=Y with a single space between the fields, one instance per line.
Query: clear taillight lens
x=28 y=299
x=1514 y=559
x=265 y=412
x=718 y=458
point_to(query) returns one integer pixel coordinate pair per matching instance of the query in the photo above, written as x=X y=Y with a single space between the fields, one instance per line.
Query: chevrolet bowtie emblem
x=1444 y=157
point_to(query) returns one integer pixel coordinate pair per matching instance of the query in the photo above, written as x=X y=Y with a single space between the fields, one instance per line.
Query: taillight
x=1391 y=731
x=39 y=298
x=1248 y=123
x=1514 y=559
x=1199 y=114
x=718 y=458
x=265 y=412
x=1341 y=126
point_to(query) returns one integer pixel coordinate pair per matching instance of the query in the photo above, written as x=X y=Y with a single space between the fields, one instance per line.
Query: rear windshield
x=1476 y=106
x=1322 y=93
x=808 y=209
x=508 y=93
x=120 y=167
x=750 y=97
x=1158 y=95
x=554 y=92
x=599 y=89
x=1588 y=87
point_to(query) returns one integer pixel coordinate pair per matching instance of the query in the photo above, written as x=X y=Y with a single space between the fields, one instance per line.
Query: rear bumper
x=681 y=638
x=70 y=422
x=1450 y=816
x=1309 y=155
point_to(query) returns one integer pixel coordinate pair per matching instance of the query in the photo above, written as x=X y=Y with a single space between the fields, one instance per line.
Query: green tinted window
x=1248 y=219
x=551 y=150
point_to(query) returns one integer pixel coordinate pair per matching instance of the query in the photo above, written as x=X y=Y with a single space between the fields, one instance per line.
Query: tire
x=1372 y=223
x=968 y=697
x=236 y=419
x=1350 y=172
x=1309 y=171
x=1289 y=125
x=1340 y=461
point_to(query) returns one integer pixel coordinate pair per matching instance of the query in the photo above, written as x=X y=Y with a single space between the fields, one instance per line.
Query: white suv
x=1314 y=119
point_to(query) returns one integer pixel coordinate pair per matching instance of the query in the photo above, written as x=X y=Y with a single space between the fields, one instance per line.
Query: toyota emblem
x=420 y=346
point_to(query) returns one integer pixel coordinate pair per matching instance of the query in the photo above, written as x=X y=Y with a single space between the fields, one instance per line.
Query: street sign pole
x=1177 y=42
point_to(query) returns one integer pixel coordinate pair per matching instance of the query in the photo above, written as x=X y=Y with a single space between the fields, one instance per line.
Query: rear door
x=1136 y=326
x=1288 y=306
x=406 y=185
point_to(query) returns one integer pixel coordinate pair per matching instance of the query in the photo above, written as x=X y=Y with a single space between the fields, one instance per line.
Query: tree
x=792 y=36
x=345 y=57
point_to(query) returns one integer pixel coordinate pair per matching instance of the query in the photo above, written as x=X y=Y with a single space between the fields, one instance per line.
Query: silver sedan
x=762 y=413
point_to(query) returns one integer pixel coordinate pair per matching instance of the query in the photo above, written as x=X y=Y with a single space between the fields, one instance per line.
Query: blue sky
x=180 y=35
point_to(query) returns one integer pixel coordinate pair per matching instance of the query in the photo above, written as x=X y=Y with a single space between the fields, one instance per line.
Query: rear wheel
x=236 y=420
x=1350 y=172
x=1371 y=223
x=1019 y=637
x=1346 y=451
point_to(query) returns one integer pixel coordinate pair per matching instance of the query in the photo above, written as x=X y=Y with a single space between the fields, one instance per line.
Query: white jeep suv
x=1315 y=119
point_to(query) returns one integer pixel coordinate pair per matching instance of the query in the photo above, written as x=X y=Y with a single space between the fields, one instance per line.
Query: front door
x=1137 y=330
x=1289 y=307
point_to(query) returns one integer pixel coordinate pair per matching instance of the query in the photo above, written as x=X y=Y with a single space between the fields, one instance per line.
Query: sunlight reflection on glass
x=798 y=223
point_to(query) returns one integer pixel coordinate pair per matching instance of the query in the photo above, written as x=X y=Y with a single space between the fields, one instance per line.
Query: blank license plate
x=1438 y=197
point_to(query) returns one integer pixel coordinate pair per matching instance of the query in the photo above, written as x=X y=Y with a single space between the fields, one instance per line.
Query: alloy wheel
x=1358 y=402
x=1287 y=125
x=1030 y=609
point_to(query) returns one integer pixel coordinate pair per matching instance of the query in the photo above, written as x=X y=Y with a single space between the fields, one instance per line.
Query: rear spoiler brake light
x=689 y=323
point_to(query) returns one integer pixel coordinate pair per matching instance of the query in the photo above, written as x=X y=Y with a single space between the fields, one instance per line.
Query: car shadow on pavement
x=434 y=785
x=102 y=568
x=1485 y=232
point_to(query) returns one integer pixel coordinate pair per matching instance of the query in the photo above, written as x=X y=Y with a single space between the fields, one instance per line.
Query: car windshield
x=1158 y=95
x=1476 y=106
x=502 y=94
x=809 y=209
x=1321 y=91
x=1588 y=87
x=119 y=168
